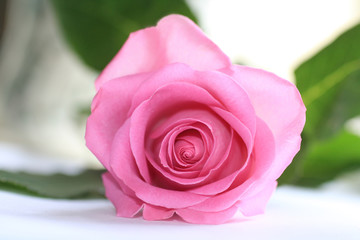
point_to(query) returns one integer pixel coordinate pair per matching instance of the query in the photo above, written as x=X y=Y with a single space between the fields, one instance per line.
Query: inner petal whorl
x=189 y=146
x=184 y=150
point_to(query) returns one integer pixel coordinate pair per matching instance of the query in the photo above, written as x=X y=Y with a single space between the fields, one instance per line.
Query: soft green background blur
x=51 y=52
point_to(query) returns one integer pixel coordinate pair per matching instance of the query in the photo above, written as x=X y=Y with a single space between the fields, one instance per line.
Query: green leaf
x=96 y=30
x=328 y=159
x=87 y=184
x=330 y=85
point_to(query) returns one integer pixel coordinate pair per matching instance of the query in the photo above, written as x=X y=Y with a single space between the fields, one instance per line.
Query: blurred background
x=51 y=52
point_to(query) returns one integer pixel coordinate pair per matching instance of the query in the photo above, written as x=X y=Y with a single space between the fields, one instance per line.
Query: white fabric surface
x=332 y=212
x=292 y=213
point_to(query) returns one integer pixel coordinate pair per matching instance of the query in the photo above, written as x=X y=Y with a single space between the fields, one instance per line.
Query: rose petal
x=178 y=119
x=189 y=147
x=180 y=142
x=231 y=96
x=167 y=158
x=193 y=216
x=159 y=106
x=154 y=213
x=126 y=205
x=162 y=136
x=179 y=181
x=123 y=167
x=279 y=104
x=226 y=174
x=108 y=114
x=238 y=127
x=174 y=39
x=215 y=161
x=219 y=132
x=164 y=147
x=261 y=163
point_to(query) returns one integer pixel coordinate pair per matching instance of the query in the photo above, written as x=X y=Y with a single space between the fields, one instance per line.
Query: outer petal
x=193 y=216
x=125 y=204
x=278 y=103
x=109 y=111
x=157 y=213
x=174 y=39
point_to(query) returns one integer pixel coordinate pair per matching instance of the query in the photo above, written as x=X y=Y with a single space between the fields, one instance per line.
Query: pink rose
x=183 y=131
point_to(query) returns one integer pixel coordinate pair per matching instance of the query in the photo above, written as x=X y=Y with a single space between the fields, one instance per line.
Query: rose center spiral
x=189 y=146
x=186 y=152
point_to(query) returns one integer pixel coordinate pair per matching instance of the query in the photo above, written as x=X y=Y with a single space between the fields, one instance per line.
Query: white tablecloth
x=331 y=212
x=292 y=213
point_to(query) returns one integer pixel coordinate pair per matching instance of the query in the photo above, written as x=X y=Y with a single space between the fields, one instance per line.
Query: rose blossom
x=183 y=131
